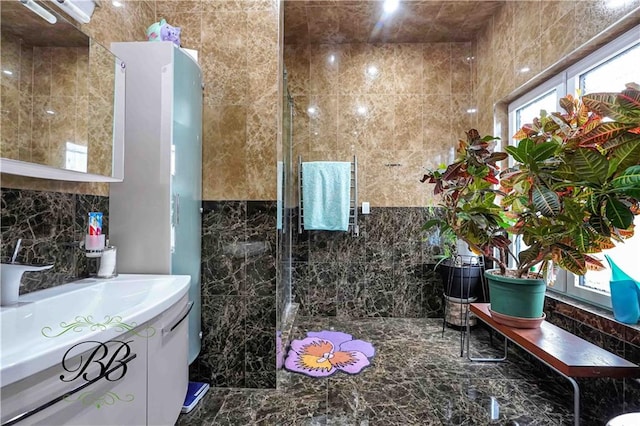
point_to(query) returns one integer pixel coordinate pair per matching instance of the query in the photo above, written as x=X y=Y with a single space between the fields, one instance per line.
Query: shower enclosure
x=286 y=204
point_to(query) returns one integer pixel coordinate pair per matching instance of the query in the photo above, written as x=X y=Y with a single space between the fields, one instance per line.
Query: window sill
x=594 y=316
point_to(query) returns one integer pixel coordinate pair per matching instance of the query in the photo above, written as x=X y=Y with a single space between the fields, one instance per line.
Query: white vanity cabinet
x=144 y=380
x=168 y=365
x=104 y=402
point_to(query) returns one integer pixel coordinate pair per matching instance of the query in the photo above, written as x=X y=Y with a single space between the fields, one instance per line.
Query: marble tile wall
x=51 y=224
x=238 y=295
x=238 y=45
x=545 y=37
x=386 y=271
x=399 y=107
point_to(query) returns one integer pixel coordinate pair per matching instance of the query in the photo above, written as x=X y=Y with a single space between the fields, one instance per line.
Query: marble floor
x=417 y=377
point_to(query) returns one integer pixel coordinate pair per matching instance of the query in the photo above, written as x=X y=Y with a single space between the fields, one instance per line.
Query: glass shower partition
x=286 y=205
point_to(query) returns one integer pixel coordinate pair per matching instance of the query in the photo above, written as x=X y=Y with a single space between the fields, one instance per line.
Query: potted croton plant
x=572 y=189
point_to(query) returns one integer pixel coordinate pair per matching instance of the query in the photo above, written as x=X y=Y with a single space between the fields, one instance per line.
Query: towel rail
x=353 y=210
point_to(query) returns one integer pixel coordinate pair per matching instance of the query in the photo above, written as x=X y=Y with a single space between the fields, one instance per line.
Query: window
x=544 y=97
x=528 y=112
x=606 y=70
x=76 y=157
x=609 y=68
x=607 y=76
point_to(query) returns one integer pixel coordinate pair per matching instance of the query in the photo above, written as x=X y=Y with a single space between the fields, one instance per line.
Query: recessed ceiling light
x=332 y=58
x=362 y=110
x=372 y=70
x=117 y=3
x=390 y=6
x=311 y=110
x=472 y=110
x=50 y=112
x=7 y=72
x=525 y=69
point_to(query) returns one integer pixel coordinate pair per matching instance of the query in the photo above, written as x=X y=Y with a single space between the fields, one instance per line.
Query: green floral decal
x=94 y=398
x=81 y=323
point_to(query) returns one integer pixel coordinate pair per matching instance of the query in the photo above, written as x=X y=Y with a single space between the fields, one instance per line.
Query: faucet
x=16 y=250
x=11 y=274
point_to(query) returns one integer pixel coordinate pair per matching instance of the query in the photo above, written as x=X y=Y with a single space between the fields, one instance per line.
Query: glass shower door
x=285 y=205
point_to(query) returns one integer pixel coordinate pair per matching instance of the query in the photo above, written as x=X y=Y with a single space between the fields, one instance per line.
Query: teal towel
x=326 y=195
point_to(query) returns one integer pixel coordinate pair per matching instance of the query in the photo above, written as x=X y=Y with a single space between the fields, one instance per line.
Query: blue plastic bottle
x=625 y=295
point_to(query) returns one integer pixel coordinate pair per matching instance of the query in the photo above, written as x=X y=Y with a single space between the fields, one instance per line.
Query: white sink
x=36 y=332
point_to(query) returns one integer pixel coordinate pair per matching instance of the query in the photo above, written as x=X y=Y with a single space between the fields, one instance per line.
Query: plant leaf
x=521 y=134
x=590 y=165
x=453 y=171
x=525 y=147
x=602 y=133
x=618 y=213
x=626 y=155
x=593 y=203
x=616 y=106
x=544 y=151
x=583 y=239
x=604 y=243
x=614 y=143
x=546 y=201
x=515 y=153
x=629 y=178
x=600 y=226
x=601 y=103
x=593 y=264
x=630 y=99
x=529 y=255
x=571 y=260
x=566 y=104
x=565 y=172
x=433 y=222
x=495 y=157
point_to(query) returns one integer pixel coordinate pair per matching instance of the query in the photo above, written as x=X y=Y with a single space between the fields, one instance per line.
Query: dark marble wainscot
x=238 y=295
x=386 y=271
x=51 y=225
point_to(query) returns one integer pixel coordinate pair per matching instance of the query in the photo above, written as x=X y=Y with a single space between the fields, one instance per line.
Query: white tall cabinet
x=155 y=213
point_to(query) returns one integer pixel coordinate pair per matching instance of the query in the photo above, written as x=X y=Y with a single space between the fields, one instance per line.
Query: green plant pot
x=516 y=297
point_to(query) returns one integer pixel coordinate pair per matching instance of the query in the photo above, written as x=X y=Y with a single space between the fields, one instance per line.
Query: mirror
x=60 y=116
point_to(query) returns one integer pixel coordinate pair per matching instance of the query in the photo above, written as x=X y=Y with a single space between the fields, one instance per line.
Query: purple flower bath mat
x=322 y=353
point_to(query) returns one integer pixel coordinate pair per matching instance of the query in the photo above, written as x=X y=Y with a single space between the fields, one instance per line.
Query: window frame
x=568 y=81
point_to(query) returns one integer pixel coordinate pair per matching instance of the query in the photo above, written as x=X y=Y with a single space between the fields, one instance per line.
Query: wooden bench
x=566 y=353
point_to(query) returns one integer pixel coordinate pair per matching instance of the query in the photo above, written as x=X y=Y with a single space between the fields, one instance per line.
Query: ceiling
x=415 y=21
